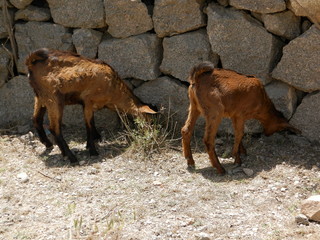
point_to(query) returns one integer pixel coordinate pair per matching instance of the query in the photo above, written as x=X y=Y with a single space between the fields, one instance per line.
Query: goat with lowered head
x=220 y=93
x=63 y=78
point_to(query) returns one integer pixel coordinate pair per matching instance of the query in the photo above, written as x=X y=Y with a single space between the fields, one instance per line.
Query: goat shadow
x=263 y=154
x=108 y=147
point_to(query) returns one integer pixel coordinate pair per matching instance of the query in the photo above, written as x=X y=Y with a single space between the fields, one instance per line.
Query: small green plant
x=114 y=223
x=71 y=208
x=77 y=224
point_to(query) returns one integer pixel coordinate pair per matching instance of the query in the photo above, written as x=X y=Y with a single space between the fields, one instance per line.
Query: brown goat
x=218 y=93
x=64 y=78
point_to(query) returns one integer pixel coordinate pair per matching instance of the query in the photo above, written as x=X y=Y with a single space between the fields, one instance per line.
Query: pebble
x=302 y=220
x=249 y=172
x=23 y=177
x=59 y=178
x=81 y=163
x=157 y=183
x=202 y=236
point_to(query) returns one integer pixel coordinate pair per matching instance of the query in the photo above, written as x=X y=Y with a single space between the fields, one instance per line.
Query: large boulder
x=311 y=208
x=16 y=102
x=166 y=93
x=307 y=116
x=308 y=8
x=264 y=6
x=283 y=96
x=4 y=23
x=105 y=119
x=20 y=4
x=241 y=42
x=284 y=24
x=33 y=13
x=78 y=13
x=86 y=41
x=299 y=65
x=33 y=35
x=133 y=57
x=126 y=18
x=4 y=66
x=183 y=51
x=172 y=17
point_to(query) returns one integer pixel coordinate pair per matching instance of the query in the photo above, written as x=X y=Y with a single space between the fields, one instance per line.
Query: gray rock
x=16 y=102
x=249 y=172
x=4 y=23
x=23 y=177
x=306 y=24
x=4 y=66
x=311 y=208
x=307 y=116
x=203 y=236
x=127 y=18
x=265 y=6
x=283 y=96
x=224 y=3
x=284 y=24
x=172 y=17
x=166 y=93
x=86 y=41
x=20 y=4
x=299 y=65
x=241 y=42
x=308 y=8
x=32 y=13
x=302 y=220
x=104 y=119
x=34 y=35
x=133 y=57
x=78 y=13
x=183 y=51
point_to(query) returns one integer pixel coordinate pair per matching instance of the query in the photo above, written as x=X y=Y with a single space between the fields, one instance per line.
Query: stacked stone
x=153 y=45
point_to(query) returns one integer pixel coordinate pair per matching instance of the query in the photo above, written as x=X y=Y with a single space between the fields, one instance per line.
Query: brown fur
x=64 y=78
x=220 y=93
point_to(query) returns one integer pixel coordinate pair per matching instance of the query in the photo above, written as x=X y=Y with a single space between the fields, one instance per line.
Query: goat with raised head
x=219 y=93
x=63 y=78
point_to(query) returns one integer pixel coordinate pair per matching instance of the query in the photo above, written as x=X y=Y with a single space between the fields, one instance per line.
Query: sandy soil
x=120 y=195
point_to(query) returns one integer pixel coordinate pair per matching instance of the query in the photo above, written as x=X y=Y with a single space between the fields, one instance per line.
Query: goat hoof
x=73 y=160
x=221 y=171
x=191 y=166
x=49 y=146
x=94 y=153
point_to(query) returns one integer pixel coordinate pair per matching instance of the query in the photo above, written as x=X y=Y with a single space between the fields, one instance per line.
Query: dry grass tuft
x=148 y=137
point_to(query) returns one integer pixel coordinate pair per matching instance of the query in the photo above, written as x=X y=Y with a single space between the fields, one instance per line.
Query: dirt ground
x=119 y=195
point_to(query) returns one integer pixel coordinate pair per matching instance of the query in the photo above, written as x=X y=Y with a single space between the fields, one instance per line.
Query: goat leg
x=96 y=135
x=186 y=133
x=55 y=117
x=209 y=141
x=66 y=152
x=92 y=132
x=38 y=116
x=238 y=125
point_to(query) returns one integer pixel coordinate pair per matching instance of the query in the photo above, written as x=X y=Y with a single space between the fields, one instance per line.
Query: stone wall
x=154 y=43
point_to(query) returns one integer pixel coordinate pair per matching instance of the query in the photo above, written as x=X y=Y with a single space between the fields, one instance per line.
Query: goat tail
x=39 y=55
x=198 y=70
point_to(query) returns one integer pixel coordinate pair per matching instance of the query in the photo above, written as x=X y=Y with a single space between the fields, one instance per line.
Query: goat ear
x=146 y=109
